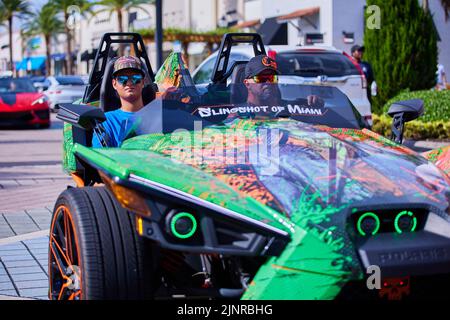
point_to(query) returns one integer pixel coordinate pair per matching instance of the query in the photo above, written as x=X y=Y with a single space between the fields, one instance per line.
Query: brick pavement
x=24 y=269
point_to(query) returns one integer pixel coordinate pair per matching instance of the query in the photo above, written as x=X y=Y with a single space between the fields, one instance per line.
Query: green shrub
x=415 y=130
x=437 y=103
x=403 y=52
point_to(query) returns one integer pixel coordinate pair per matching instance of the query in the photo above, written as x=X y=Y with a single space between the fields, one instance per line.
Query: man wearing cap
x=128 y=81
x=357 y=54
x=261 y=73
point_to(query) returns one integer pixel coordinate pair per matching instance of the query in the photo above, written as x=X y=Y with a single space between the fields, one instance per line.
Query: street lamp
x=159 y=33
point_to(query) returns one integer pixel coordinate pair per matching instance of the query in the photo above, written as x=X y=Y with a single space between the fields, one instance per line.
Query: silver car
x=64 y=89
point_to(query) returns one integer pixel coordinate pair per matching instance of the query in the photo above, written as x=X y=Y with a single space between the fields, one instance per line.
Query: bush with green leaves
x=437 y=104
x=415 y=130
x=403 y=52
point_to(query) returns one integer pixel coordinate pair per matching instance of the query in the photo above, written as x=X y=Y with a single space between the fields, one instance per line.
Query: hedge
x=416 y=130
x=437 y=103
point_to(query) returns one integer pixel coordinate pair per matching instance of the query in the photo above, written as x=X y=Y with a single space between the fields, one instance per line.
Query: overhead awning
x=247 y=24
x=299 y=14
x=31 y=63
x=273 y=32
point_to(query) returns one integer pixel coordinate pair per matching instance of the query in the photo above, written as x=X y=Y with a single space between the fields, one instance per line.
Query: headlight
x=40 y=100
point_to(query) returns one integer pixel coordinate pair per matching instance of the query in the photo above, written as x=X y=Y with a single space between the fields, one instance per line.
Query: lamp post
x=159 y=33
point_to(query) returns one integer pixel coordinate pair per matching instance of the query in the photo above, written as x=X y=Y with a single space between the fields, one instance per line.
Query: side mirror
x=402 y=112
x=82 y=116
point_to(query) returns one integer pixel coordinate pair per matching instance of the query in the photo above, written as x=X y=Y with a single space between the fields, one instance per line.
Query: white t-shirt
x=440 y=74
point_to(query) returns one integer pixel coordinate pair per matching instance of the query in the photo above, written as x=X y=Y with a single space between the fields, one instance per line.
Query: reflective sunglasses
x=135 y=79
x=271 y=78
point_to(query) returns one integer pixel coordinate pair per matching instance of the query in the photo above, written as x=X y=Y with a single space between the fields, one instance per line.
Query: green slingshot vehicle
x=213 y=196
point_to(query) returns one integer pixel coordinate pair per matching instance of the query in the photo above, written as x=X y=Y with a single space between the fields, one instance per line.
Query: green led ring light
x=365 y=215
x=405 y=213
x=177 y=217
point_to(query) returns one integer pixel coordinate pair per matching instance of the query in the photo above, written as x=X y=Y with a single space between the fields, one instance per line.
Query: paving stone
x=18 y=258
x=36 y=292
x=13 y=252
x=39 y=251
x=6 y=234
x=6 y=286
x=15 y=246
x=37 y=240
x=24 y=270
x=31 y=284
x=15 y=264
x=27 y=182
x=28 y=277
x=41 y=256
x=21 y=216
x=11 y=293
x=8 y=183
x=38 y=212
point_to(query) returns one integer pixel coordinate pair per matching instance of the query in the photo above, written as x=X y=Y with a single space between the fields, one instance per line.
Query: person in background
x=357 y=54
x=441 y=78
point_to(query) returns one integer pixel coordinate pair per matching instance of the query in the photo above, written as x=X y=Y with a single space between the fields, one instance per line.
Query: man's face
x=128 y=91
x=358 y=54
x=263 y=85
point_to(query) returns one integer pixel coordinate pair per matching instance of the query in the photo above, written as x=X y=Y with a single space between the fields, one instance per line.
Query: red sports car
x=21 y=104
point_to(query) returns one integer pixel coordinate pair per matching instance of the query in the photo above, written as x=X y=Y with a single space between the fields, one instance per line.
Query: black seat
x=109 y=99
x=239 y=92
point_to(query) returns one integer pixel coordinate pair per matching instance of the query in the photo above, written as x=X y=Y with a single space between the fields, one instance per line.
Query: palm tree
x=445 y=5
x=45 y=23
x=118 y=6
x=62 y=6
x=8 y=10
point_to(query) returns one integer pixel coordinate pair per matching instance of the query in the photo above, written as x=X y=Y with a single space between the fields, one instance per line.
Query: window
x=204 y=74
x=315 y=64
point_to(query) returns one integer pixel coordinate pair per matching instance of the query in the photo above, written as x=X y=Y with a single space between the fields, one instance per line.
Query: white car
x=64 y=89
x=317 y=65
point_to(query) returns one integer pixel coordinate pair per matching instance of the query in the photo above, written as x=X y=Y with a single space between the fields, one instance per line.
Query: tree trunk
x=10 y=33
x=426 y=5
x=120 y=24
x=48 y=64
x=68 y=45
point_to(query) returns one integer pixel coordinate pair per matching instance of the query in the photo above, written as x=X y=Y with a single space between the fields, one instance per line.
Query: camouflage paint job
x=323 y=175
x=69 y=163
x=441 y=158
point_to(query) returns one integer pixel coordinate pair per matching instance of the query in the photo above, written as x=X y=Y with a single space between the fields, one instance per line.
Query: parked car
x=21 y=104
x=318 y=65
x=64 y=89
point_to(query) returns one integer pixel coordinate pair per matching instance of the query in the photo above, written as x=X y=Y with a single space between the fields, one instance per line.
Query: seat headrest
x=238 y=90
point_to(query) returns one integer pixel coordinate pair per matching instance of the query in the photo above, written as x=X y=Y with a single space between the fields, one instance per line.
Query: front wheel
x=94 y=250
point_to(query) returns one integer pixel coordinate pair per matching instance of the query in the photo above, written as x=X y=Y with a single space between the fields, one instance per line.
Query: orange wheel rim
x=64 y=258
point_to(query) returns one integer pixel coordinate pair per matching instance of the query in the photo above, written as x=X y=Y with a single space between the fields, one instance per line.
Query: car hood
x=304 y=166
x=17 y=101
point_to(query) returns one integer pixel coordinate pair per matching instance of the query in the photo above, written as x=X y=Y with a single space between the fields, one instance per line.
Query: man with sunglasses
x=261 y=79
x=128 y=81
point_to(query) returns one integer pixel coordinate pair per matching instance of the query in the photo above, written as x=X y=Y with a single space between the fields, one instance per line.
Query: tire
x=101 y=256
